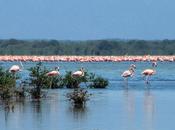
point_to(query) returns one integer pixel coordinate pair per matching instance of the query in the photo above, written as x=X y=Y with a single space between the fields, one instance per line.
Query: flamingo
x=16 y=68
x=79 y=73
x=53 y=74
x=129 y=72
x=147 y=73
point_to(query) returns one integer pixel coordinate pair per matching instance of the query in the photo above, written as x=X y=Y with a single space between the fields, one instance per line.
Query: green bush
x=7 y=84
x=99 y=82
x=74 y=82
x=79 y=97
x=38 y=79
x=95 y=81
x=56 y=82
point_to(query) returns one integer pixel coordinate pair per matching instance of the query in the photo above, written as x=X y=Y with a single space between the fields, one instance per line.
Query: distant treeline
x=89 y=47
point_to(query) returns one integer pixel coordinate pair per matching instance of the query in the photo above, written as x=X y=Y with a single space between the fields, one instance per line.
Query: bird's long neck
x=82 y=73
x=22 y=67
x=131 y=69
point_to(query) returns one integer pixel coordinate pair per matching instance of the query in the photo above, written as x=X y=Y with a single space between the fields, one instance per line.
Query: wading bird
x=16 y=68
x=79 y=73
x=54 y=72
x=147 y=73
x=129 y=72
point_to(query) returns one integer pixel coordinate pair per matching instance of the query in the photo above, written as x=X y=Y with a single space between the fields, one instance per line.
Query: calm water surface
x=114 y=108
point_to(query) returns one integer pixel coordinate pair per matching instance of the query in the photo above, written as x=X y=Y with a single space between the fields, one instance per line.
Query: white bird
x=128 y=73
x=79 y=73
x=54 y=72
x=16 y=68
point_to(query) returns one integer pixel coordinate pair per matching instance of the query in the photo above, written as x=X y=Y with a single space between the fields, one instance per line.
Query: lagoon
x=117 y=107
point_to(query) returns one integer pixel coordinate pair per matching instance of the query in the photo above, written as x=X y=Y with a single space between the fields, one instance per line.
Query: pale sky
x=87 y=19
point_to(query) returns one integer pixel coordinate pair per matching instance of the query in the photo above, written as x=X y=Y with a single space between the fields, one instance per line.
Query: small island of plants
x=39 y=80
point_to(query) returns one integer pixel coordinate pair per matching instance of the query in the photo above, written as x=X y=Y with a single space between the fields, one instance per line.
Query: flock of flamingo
x=80 y=73
x=146 y=73
x=87 y=58
x=16 y=68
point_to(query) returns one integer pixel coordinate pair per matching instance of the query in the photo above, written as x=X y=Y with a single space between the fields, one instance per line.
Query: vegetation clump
x=79 y=97
x=99 y=82
x=74 y=82
x=56 y=82
x=7 y=84
x=38 y=80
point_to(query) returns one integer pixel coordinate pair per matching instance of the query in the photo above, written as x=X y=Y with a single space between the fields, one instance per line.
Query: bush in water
x=74 y=82
x=39 y=80
x=56 y=82
x=79 y=97
x=7 y=84
x=99 y=82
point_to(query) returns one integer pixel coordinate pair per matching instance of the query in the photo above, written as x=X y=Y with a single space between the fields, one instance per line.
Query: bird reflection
x=8 y=107
x=149 y=109
x=129 y=100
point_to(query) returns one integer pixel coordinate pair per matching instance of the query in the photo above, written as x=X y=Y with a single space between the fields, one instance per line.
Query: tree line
x=88 y=47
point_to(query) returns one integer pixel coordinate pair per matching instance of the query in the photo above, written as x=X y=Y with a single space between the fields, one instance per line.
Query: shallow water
x=137 y=107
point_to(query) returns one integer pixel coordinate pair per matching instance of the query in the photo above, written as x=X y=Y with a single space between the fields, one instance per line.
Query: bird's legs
x=147 y=79
x=51 y=82
x=126 y=81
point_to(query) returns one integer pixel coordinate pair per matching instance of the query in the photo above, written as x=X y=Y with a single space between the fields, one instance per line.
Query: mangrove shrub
x=7 y=84
x=79 y=97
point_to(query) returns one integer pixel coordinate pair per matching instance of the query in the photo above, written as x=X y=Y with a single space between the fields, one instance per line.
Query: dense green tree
x=89 y=47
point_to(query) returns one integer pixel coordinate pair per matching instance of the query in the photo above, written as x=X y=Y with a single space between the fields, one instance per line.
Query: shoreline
x=86 y=58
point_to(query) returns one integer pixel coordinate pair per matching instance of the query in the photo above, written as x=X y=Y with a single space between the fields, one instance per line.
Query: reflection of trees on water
x=36 y=106
x=78 y=112
x=149 y=109
x=8 y=107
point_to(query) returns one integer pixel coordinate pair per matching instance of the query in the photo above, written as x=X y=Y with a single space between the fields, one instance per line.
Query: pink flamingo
x=79 y=73
x=53 y=74
x=147 y=73
x=129 y=72
x=16 y=68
